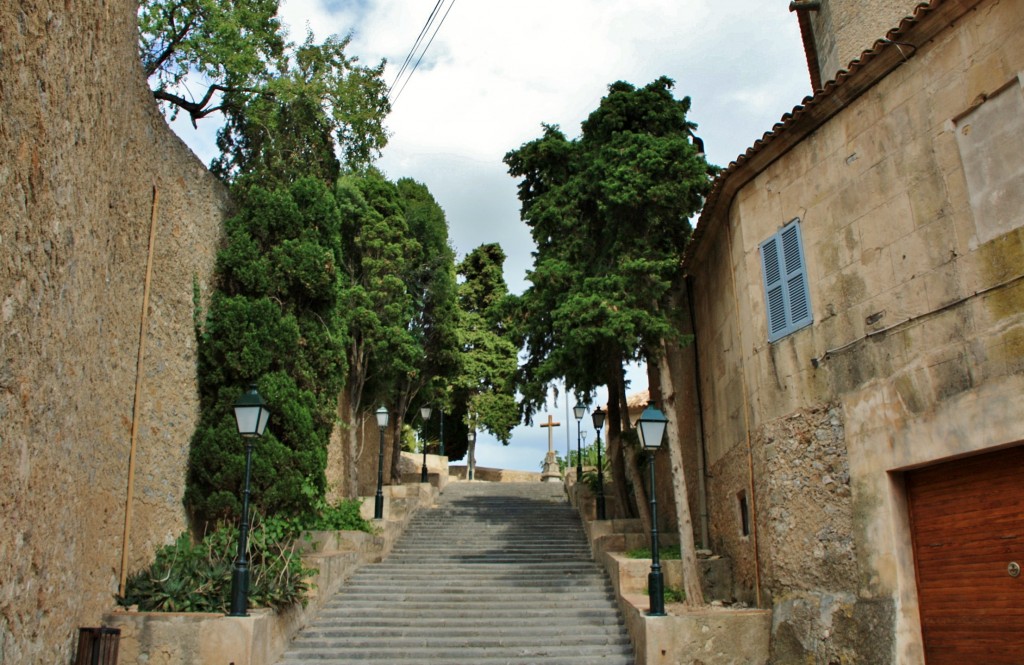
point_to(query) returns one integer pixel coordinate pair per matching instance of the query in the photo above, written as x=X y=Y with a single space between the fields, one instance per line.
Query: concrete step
x=475 y=655
x=494 y=574
x=540 y=629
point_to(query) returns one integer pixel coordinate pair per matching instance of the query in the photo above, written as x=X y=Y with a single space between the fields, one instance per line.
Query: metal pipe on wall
x=143 y=323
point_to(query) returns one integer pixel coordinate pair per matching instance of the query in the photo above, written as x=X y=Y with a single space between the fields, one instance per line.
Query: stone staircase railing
x=709 y=635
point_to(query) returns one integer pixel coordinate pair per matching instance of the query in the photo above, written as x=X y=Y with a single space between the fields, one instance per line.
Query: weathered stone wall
x=843 y=29
x=917 y=296
x=804 y=502
x=82 y=148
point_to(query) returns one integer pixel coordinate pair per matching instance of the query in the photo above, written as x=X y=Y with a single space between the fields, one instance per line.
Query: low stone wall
x=496 y=475
x=630 y=575
x=411 y=469
x=260 y=638
x=702 y=636
x=706 y=635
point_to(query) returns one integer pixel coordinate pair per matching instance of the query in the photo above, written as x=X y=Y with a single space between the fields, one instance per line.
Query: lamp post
x=579 y=410
x=442 y=435
x=652 y=429
x=251 y=416
x=378 y=502
x=425 y=415
x=598 y=417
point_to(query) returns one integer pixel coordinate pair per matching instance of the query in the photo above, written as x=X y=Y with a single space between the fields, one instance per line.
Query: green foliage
x=432 y=285
x=674 y=595
x=484 y=388
x=317 y=102
x=672 y=552
x=671 y=594
x=277 y=320
x=196 y=577
x=609 y=215
x=375 y=297
x=228 y=43
x=588 y=455
x=591 y=479
x=288 y=107
x=341 y=516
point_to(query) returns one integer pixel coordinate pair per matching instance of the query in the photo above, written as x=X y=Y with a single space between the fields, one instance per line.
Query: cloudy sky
x=495 y=71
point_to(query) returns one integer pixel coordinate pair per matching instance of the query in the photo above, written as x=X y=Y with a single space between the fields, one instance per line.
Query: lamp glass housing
x=425 y=413
x=651 y=427
x=579 y=411
x=382 y=417
x=598 y=416
x=251 y=413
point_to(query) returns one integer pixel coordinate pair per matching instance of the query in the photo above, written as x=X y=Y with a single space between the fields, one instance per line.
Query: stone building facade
x=836 y=32
x=858 y=297
x=86 y=164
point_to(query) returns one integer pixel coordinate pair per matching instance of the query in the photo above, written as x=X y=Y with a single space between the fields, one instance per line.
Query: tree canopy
x=286 y=106
x=609 y=214
x=275 y=320
x=484 y=389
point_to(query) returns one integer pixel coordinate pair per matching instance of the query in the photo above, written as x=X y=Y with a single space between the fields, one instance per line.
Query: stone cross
x=551 y=425
x=551 y=474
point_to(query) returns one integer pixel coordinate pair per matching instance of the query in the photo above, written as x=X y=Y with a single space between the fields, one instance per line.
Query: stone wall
x=82 y=150
x=843 y=29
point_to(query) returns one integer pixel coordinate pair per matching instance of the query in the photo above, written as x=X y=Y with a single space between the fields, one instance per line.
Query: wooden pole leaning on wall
x=143 y=325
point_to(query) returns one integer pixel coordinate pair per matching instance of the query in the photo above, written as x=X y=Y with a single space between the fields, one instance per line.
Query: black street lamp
x=579 y=410
x=251 y=416
x=651 y=427
x=425 y=415
x=598 y=417
x=378 y=503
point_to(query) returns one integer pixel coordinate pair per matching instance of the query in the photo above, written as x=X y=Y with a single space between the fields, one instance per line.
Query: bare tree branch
x=196 y=110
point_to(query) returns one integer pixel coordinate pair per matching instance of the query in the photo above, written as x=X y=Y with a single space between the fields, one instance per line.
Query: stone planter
x=703 y=636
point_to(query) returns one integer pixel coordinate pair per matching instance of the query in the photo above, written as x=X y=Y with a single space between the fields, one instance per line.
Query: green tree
x=289 y=109
x=227 y=44
x=485 y=387
x=317 y=105
x=376 y=301
x=275 y=320
x=609 y=214
x=430 y=282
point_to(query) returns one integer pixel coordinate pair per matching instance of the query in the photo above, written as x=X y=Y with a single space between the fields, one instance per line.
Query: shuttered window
x=785 y=282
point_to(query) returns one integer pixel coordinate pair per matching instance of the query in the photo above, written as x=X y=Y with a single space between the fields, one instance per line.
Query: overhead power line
x=404 y=70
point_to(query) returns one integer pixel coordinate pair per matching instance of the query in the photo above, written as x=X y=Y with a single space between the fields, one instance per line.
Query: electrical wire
x=422 y=53
x=416 y=44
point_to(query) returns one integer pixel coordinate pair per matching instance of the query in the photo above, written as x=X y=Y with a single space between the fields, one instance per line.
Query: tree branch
x=198 y=109
x=158 y=62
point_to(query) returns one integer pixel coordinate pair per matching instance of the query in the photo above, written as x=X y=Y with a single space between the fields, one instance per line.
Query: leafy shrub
x=341 y=516
x=196 y=577
x=664 y=552
x=672 y=594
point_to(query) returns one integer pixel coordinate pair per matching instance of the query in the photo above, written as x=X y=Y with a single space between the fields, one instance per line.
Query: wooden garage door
x=967 y=518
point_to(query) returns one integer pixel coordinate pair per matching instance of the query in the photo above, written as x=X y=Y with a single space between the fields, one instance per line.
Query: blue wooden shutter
x=785 y=282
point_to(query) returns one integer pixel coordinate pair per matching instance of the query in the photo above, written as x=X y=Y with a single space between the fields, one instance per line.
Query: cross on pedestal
x=551 y=472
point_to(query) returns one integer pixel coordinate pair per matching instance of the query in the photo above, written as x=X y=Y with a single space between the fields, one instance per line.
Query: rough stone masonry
x=83 y=148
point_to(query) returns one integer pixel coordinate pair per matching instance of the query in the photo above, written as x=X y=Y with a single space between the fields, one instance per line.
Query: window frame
x=786 y=285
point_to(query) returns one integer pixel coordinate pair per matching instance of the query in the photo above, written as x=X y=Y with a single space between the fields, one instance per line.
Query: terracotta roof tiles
x=873 y=64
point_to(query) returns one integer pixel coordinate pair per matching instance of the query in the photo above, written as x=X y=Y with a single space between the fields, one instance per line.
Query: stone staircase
x=496 y=573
